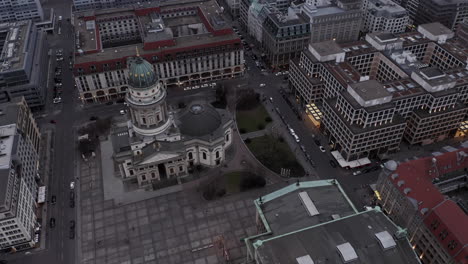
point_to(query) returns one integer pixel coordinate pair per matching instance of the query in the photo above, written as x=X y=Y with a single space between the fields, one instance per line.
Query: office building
x=161 y=145
x=189 y=43
x=462 y=32
x=16 y=10
x=18 y=115
x=415 y=195
x=281 y=6
x=384 y=16
x=448 y=12
x=284 y=37
x=340 y=20
x=314 y=222
x=24 y=63
x=19 y=159
x=367 y=96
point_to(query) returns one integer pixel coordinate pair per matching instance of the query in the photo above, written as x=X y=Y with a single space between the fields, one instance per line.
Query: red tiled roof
x=448 y=217
x=415 y=178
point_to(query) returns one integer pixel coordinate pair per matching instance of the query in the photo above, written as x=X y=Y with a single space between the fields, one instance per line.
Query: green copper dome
x=140 y=73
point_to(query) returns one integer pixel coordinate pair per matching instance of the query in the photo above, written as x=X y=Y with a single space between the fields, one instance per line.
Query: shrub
x=261 y=126
x=247 y=141
x=281 y=139
x=221 y=192
x=242 y=130
x=251 y=181
x=268 y=119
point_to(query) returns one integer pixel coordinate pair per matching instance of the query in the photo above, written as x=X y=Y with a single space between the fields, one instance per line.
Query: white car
x=271 y=99
x=357 y=172
x=278 y=73
x=72 y=185
x=322 y=149
x=60 y=18
x=262 y=85
x=296 y=138
x=122 y=112
x=57 y=100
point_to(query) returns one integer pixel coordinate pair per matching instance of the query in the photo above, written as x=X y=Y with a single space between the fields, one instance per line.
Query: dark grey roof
x=320 y=242
x=287 y=213
x=156 y=147
x=370 y=90
x=199 y=119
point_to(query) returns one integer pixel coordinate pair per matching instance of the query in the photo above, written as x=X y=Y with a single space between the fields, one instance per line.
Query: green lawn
x=233 y=180
x=275 y=155
x=250 y=120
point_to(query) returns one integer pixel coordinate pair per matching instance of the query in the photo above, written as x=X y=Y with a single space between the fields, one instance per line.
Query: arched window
x=190 y=155
x=227 y=137
x=217 y=154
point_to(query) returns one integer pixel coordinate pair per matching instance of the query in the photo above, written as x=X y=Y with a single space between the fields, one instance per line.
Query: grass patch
x=233 y=180
x=275 y=154
x=252 y=120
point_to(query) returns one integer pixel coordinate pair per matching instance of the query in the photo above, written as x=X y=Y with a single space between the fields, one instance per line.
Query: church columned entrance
x=162 y=171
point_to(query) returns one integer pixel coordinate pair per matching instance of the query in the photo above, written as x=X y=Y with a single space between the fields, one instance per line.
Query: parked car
x=57 y=100
x=52 y=222
x=93 y=118
x=317 y=142
x=53 y=121
x=122 y=112
x=72 y=203
x=72 y=195
x=271 y=99
x=53 y=199
x=72 y=185
x=333 y=163
x=296 y=138
x=262 y=85
x=322 y=149
x=303 y=148
x=357 y=172
x=110 y=103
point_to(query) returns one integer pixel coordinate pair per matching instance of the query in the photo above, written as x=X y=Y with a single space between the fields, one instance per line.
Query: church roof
x=140 y=73
x=199 y=119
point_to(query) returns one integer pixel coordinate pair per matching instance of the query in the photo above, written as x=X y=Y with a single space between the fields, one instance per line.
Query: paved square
x=176 y=228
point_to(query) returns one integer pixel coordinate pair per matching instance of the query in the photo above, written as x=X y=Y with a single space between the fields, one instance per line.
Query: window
x=217 y=154
x=181 y=168
x=143 y=177
x=227 y=137
x=171 y=170
x=153 y=175
x=204 y=155
x=131 y=172
x=190 y=155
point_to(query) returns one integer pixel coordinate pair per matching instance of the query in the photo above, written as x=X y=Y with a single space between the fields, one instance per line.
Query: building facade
x=449 y=13
x=369 y=95
x=205 y=50
x=284 y=37
x=384 y=16
x=159 y=145
x=23 y=60
x=18 y=167
x=412 y=193
x=16 y=10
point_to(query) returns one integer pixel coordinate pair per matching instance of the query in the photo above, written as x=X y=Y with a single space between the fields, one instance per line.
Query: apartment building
x=189 y=43
x=16 y=10
x=384 y=16
x=24 y=63
x=414 y=194
x=368 y=96
x=17 y=201
x=290 y=220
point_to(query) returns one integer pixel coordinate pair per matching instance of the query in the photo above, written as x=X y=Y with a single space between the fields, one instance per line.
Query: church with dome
x=158 y=142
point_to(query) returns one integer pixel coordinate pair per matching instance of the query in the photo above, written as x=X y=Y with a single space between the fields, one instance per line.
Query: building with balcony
x=188 y=43
x=158 y=144
x=314 y=222
x=415 y=195
x=368 y=96
x=384 y=16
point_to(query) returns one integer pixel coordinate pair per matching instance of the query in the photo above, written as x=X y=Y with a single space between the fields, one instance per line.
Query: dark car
x=317 y=142
x=53 y=121
x=72 y=203
x=72 y=224
x=110 y=103
x=333 y=163
x=93 y=118
x=72 y=233
x=53 y=200
x=72 y=195
x=52 y=222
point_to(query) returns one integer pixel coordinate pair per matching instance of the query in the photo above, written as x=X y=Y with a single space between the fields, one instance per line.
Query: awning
x=351 y=164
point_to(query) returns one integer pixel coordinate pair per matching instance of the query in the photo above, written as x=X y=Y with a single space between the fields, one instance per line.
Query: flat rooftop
x=285 y=212
x=367 y=237
x=12 y=42
x=370 y=90
x=327 y=48
x=436 y=29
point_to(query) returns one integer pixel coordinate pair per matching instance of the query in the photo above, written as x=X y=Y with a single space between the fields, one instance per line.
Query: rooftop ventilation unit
x=304 y=260
x=385 y=240
x=308 y=204
x=347 y=252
